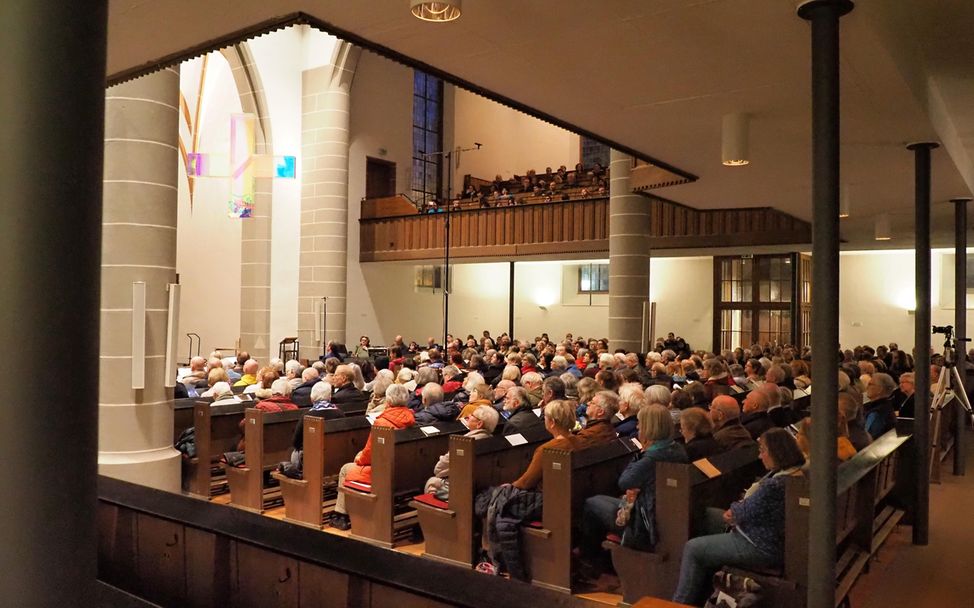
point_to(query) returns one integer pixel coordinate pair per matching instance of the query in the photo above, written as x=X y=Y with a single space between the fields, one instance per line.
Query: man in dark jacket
x=521 y=415
x=726 y=416
x=301 y=396
x=600 y=412
x=756 y=419
x=347 y=398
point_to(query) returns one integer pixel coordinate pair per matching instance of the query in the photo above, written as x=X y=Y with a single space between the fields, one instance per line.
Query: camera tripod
x=950 y=388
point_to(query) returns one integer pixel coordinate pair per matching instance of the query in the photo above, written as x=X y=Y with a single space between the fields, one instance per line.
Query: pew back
x=217 y=431
x=268 y=441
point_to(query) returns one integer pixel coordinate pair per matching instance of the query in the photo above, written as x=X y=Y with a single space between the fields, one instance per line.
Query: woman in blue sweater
x=638 y=482
x=757 y=523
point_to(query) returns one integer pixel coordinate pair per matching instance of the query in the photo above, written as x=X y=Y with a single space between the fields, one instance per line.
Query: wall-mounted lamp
x=440 y=12
x=883 y=232
x=845 y=200
x=542 y=307
x=734 y=140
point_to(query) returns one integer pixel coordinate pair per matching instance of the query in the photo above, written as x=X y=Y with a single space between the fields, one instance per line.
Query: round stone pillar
x=138 y=246
x=628 y=256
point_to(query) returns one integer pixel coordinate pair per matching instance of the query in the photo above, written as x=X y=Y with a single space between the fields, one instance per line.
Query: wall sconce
x=543 y=307
x=734 y=140
x=883 y=231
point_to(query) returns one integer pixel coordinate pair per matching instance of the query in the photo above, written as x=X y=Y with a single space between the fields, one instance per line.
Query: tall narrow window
x=593 y=278
x=427 y=137
x=753 y=301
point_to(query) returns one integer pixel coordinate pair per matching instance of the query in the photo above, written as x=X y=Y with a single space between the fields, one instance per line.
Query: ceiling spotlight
x=448 y=10
x=734 y=144
x=883 y=232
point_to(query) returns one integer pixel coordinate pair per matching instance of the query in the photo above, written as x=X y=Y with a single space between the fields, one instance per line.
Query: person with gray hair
x=552 y=389
x=346 y=397
x=301 y=395
x=292 y=372
x=433 y=408
x=518 y=411
x=631 y=399
x=481 y=421
x=531 y=382
x=395 y=415
x=599 y=415
x=879 y=409
x=383 y=380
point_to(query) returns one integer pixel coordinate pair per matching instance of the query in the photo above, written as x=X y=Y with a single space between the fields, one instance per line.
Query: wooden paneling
x=264 y=578
x=566 y=227
x=161 y=560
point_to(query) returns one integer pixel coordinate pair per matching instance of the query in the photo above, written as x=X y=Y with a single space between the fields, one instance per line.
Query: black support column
x=824 y=16
x=510 y=303
x=51 y=146
x=921 y=356
x=960 y=322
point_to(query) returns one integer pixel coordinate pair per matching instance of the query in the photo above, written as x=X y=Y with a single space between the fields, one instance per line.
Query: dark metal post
x=510 y=303
x=960 y=323
x=824 y=16
x=446 y=245
x=921 y=425
x=52 y=146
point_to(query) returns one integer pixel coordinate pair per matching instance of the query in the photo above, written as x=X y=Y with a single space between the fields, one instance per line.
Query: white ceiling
x=658 y=75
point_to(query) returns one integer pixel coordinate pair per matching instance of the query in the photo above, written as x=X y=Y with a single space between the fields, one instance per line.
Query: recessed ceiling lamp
x=448 y=10
x=845 y=200
x=734 y=144
x=883 y=232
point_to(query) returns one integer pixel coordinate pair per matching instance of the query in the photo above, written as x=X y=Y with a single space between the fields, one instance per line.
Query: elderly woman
x=879 y=410
x=215 y=376
x=757 y=523
x=631 y=400
x=697 y=431
x=481 y=421
x=377 y=402
x=638 y=482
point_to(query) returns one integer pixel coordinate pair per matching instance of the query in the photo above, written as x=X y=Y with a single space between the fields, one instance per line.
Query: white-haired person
x=631 y=400
x=292 y=372
x=322 y=408
x=220 y=392
x=482 y=422
x=383 y=380
x=395 y=415
x=301 y=395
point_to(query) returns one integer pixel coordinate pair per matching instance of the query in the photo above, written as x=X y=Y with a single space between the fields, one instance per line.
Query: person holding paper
x=481 y=421
x=757 y=523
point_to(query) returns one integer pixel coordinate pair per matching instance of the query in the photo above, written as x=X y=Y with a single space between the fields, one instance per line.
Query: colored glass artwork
x=243 y=165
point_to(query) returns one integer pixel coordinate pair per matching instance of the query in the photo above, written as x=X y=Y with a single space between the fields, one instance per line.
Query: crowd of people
x=678 y=405
x=552 y=185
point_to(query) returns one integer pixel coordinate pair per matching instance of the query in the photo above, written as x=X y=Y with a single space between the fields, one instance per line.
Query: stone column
x=324 y=200
x=50 y=233
x=139 y=244
x=628 y=256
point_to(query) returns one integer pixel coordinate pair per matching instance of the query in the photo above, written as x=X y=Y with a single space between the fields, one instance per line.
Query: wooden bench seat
x=683 y=495
x=449 y=528
x=402 y=461
x=569 y=477
x=217 y=431
x=328 y=444
x=268 y=439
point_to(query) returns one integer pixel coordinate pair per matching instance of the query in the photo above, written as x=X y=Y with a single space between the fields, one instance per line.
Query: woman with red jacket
x=395 y=415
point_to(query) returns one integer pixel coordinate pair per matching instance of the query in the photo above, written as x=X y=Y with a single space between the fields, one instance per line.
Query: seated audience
x=756 y=418
x=480 y=394
x=196 y=373
x=383 y=379
x=215 y=376
x=844 y=449
x=559 y=420
x=249 y=376
x=346 y=396
x=726 y=416
x=481 y=421
x=630 y=515
x=851 y=410
x=520 y=414
x=631 y=400
x=757 y=522
x=905 y=404
x=280 y=399
x=292 y=372
x=262 y=390
x=434 y=408
x=302 y=394
x=697 y=431
x=395 y=415
x=532 y=383
x=220 y=392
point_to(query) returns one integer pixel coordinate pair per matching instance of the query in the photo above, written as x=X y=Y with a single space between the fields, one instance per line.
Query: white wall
x=207 y=241
x=683 y=291
x=513 y=142
x=877 y=292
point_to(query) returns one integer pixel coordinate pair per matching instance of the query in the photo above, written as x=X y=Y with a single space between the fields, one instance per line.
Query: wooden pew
x=874 y=492
x=182 y=416
x=402 y=461
x=568 y=479
x=268 y=440
x=217 y=431
x=683 y=494
x=328 y=444
x=449 y=528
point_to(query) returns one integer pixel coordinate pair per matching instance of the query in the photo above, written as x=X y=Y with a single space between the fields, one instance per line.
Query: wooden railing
x=578 y=226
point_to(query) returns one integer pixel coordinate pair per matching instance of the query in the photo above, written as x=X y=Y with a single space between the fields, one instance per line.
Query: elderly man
x=302 y=394
x=552 y=389
x=250 y=368
x=292 y=373
x=395 y=415
x=519 y=413
x=346 y=397
x=501 y=391
x=433 y=408
x=726 y=416
x=756 y=419
x=879 y=410
x=531 y=382
x=196 y=373
x=481 y=421
x=599 y=415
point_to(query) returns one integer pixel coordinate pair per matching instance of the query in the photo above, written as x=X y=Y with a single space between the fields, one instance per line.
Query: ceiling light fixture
x=734 y=144
x=441 y=12
x=883 y=232
x=845 y=200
